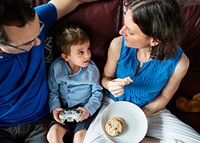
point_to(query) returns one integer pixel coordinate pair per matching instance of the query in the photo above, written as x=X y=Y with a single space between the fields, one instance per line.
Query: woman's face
x=133 y=36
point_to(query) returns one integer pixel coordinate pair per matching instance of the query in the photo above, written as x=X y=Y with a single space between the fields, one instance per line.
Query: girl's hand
x=116 y=86
x=56 y=112
x=85 y=114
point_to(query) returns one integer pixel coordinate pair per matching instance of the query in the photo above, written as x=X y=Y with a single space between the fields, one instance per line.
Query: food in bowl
x=115 y=126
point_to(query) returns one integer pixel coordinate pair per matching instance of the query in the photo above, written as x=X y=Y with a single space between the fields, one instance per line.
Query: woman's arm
x=115 y=86
x=170 y=88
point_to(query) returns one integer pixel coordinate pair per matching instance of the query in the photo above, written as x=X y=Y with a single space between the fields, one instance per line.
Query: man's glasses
x=28 y=45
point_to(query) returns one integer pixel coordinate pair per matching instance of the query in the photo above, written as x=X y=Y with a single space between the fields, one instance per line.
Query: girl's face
x=80 y=55
x=133 y=36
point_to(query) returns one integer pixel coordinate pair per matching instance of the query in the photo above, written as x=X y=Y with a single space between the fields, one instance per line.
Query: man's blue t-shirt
x=23 y=80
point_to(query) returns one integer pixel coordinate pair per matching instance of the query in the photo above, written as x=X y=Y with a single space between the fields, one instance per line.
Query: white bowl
x=135 y=119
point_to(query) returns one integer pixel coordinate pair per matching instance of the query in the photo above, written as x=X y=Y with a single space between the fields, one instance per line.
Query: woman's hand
x=56 y=112
x=85 y=114
x=146 y=111
x=116 y=86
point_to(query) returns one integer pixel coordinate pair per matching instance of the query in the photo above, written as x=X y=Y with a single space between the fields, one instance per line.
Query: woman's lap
x=95 y=133
x=168 y=128
x=162 y=125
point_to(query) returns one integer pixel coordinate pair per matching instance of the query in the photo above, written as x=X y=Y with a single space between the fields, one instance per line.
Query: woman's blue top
x=149 y=80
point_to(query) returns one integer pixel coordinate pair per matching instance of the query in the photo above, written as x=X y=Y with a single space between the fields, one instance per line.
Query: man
x=23 y=84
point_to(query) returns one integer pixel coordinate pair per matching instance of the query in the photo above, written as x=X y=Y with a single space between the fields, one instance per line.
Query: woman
x=148 y=50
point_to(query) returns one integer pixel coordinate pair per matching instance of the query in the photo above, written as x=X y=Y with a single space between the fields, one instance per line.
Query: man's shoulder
x=45 y=10
x=44 y=6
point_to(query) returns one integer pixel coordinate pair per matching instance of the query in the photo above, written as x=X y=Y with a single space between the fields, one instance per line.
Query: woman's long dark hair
x=162 y=20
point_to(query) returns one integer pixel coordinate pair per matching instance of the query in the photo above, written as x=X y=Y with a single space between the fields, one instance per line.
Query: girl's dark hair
x=70 y=35
x=15 y=13
x=162 y=20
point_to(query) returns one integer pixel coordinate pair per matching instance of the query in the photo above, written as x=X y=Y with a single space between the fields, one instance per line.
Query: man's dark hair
x=15 y=13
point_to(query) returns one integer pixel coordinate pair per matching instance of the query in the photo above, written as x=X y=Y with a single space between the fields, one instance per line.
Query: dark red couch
x=190 y=85
x=103 y=19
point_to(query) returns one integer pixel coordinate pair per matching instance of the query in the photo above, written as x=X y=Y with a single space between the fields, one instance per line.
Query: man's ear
x=64 y=57
x=154 y=42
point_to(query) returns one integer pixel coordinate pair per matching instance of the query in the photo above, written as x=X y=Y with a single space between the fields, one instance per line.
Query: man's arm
x=64 y=7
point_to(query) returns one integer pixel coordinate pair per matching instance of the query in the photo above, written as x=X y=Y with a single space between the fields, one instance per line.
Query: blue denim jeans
x=34 y=132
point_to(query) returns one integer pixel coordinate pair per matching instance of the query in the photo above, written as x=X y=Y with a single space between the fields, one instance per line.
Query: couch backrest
x=190 y=85
x=102 y=20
